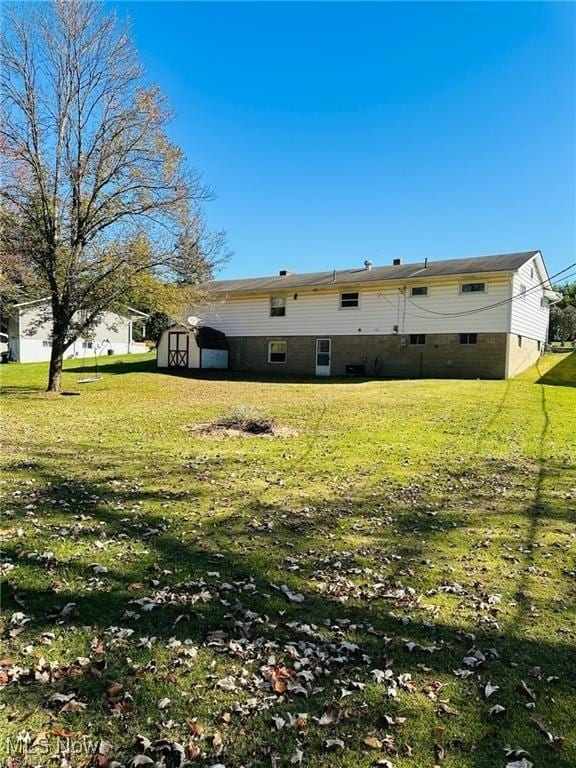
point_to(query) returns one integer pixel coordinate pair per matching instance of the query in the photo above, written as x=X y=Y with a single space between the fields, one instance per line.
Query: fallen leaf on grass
x=445 y=709
x=555 y=741
x=489 y=689
x=523 y=688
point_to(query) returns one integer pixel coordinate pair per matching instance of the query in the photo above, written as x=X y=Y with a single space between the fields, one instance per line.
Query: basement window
x=349 y=300
x=277 y=306
x=468 y=338
x=519 y=341
x=419 y=290
x=473 y=288
x=277 y=352
x=417 y=339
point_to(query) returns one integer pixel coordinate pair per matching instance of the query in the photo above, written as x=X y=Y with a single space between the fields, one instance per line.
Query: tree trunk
x=56 y=362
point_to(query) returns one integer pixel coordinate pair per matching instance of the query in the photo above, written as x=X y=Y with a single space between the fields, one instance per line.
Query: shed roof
x=508 y=262
x=206 y=337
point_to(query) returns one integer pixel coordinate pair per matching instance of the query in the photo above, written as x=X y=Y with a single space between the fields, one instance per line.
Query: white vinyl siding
x=317 y=313
x=527 y=315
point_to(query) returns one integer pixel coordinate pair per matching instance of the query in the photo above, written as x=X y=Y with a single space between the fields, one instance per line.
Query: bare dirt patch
x=212 y=431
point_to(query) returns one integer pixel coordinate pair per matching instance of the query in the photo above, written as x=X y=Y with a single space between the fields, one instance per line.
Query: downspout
x=509 y=330
x=130 y=336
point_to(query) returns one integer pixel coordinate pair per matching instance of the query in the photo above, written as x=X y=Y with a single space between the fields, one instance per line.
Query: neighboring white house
x=484 y=317
x=29 y=333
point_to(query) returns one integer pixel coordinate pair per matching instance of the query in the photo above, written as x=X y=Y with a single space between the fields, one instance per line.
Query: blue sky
x=337 y=132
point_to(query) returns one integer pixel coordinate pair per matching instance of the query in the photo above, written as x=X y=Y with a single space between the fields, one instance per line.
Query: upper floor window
x=473 y=288
x=522 y=291
x=277 y=306
x=417 y=339
x=349 y=300
x=277 y=352
x=419 y=290
x=468 y=338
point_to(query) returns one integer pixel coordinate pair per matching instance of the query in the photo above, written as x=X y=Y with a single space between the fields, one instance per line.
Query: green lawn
x=335 y=598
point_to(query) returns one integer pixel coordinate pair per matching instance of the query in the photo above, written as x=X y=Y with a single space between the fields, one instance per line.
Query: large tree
x=96 y=201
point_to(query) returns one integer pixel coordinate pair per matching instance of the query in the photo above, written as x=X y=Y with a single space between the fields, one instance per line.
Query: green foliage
x=563 y=323
x=156 y=324
x=568 y=291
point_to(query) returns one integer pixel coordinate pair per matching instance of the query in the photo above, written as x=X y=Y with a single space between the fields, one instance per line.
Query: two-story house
x=483 y=317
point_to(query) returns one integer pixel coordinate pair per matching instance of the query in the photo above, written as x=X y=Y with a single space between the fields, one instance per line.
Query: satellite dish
x=193 y=320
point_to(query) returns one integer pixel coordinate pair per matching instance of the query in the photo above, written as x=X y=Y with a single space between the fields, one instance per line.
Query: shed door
x=177 y=349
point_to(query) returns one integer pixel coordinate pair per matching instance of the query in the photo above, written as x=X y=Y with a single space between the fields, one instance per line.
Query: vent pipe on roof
x=397 y=262
x=284 y=273
x=425 y=262
x=368 y=264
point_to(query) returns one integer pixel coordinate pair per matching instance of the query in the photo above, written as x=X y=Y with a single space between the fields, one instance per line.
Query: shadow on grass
x=156 y=541
x=562 y=374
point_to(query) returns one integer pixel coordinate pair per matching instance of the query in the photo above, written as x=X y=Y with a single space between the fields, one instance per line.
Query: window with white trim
x=523 y=290
x=349 y=300
x=468 y=338
x=87 y=345
x=277 y=306
x=417 y=339
x=473 y=288
x=419 y=290
x=277 y=351
x=46 y=343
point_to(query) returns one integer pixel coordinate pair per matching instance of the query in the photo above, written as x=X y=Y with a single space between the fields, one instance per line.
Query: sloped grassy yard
x=394 y=584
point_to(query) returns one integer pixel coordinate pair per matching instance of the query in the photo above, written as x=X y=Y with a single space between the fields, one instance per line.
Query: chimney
x=368 y=264
x=397 y=262
x=284 y=272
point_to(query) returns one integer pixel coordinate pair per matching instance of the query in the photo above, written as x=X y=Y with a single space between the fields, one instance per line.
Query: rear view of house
x=30 y=325
x=484 y=317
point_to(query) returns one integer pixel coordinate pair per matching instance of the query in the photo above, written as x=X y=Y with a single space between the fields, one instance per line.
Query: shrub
x=247 y=419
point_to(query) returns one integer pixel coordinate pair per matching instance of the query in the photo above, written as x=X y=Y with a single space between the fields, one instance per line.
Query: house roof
x=45 y=299
x=508 y=262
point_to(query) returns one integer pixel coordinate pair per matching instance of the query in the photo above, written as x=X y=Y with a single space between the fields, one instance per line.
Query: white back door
x=323 y=356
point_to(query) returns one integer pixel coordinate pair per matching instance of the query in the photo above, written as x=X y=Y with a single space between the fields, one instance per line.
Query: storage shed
x=192 y=346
